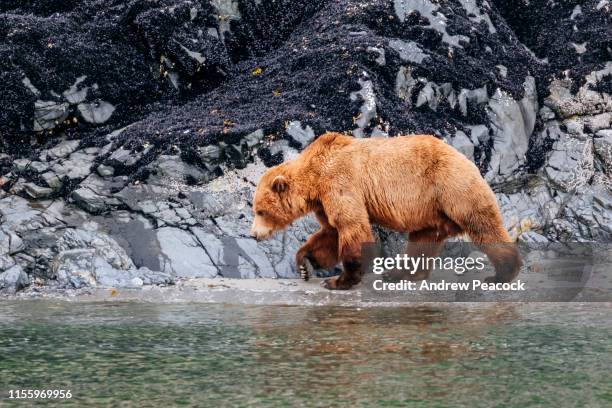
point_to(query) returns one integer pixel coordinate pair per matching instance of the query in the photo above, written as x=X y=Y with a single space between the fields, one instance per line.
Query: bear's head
x=273 y=207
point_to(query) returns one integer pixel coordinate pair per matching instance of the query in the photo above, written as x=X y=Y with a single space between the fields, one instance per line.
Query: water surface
x=139 y=354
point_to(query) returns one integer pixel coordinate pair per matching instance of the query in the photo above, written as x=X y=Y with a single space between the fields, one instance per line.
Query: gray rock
x=35 y=191
x=52 y=180
x=546 y=113
x=213 y=246
x=428 y=96
x=301 y=135
x=182 y=256
x=602 y=212
x=19 y=215
x=282 y=147
x=596 y=123
x=604 y=133
x=74 y=94
x=479 y=134
x=6 y=261
x=463 y=144
x=10 y=242
x=77 y=166
x=603 y=149
x=62 y=149
x=235 y=155
x=105 y=171
x=150 y=277
x=168 y=217
x=575 y=127
x=105 y=186
x=367 y=112
x=90 y=201
x=380 y=55
x=236 y=257
x=210 y=156
x=256 y=257
x=437 y=20
x=210 y=153
x=586 y=215
x=28 y=83
x=408 y=51
x=527 y=210
x=104 y=246
x=254 y=138
x=155 y=202
x=89 y=258
x=123 y=157
x=173 y=168
x=228 y=11
x=570 y=163
x=5 y=243
x=109 y=277
x=404 y=84
x=576 y=12
x=197 y=56
x=512 y=123
x=75 y=268
x=476 y=15
x=531 y=237
x=20 y=165
x=82 y=268
x=48 y=114
x=96 y=112
x=466 y=96
x=503 y=70
x=39 y=167
x=13 y=279
x=584 y=102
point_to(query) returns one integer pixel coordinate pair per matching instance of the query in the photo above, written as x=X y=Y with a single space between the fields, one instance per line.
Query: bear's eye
x=261 y=213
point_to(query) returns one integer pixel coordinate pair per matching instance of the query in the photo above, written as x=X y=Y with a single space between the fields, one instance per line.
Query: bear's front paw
x=306 y=268
x=336 y=284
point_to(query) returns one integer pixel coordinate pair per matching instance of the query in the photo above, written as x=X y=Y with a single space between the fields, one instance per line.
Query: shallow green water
x=115 y=354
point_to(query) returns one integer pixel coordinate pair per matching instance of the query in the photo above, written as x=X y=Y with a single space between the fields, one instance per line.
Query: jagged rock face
x=133 y=132
x=73 y=67
x=569 y=35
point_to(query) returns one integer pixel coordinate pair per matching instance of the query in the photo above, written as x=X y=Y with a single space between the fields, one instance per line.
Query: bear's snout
x=259 y=231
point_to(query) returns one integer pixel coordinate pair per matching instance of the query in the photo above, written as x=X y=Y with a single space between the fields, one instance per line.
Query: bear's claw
x=306 y=269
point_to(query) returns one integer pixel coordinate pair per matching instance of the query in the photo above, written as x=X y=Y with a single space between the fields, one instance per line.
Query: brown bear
x=416 y=184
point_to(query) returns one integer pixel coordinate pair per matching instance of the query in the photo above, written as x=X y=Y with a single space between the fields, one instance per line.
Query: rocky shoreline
x=132 y=133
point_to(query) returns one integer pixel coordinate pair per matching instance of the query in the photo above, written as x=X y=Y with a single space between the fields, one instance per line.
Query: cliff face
x=132 y=132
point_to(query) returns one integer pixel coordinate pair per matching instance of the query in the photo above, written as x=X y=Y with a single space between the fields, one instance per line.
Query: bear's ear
x=280 y=184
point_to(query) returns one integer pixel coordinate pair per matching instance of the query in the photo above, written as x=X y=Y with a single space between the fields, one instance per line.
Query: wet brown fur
x=416 y=184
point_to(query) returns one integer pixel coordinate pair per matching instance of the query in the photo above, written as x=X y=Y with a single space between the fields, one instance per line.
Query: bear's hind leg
x=486 y=229
x=471 y=204
x=502 y=253
x=427 y=243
